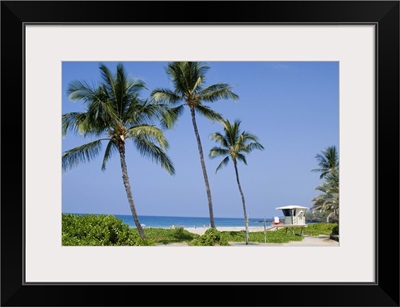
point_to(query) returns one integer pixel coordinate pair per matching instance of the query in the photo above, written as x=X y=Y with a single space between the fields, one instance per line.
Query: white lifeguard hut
x=294 y=215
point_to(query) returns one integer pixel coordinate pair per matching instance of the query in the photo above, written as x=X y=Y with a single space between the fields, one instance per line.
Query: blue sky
x=293 y=108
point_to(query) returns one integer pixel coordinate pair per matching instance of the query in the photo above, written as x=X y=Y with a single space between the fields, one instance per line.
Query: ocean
x=190 y=222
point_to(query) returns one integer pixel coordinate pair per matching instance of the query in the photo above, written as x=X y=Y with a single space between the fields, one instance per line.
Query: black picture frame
x=383 y=14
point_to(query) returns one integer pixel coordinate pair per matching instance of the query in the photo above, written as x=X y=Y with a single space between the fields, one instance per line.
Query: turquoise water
x=169 y=221
x=198 y=222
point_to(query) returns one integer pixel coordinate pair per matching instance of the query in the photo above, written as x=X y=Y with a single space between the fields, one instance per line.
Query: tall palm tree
x=115 y=113
x=234 y=145
x=189 y=90
x=328 y=161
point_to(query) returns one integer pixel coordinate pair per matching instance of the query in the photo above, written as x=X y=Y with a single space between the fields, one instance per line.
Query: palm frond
x=171 y=115
x=224 y=162
x=232 y=133
x=198 y=84
x=108 y=81
x=241 y=157
x=216 y=92
x=99 y=110
x=108 y=153
x=323 y=172
x=148 y=149
x=121 y=85
x=328 y=161
x=177 y=72
x=72 y=121
x=149 y=133
x=218 y=137
x=143 y=112
x=81 y=90
x=252 y=146
x=166 y=96
x=134 y=86
x=328 y=199
x=197 y=71
x=208 y=113
x=128 y=94
x=217 y=152
x=101 y=115
x=83 y=153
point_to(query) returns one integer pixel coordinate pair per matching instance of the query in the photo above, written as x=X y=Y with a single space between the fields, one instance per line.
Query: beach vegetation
x=115 y=113
x=234 y=144
x=98 y=230
x=169 y=236
x=335 y=230
x=190 y=90
x=319 y=229
x=313 y=216
x=277 y=236
x=211 y=237
x=107 y=230
x=328 y=198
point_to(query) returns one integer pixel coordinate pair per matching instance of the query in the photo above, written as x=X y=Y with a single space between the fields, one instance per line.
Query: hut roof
x=291 y=207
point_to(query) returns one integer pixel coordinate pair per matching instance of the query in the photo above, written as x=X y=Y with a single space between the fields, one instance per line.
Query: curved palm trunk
x=128 y=190
x=203 y=166
x=246 y=222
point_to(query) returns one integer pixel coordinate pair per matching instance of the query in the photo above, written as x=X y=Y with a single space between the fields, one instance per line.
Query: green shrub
x=210 y=238
x=319 y=229
x=167 y=236
x=335 y=230
x=98 y=230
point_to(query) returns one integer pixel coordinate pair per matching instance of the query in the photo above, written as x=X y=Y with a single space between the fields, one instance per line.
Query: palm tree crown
x=115 y=113
x=328 y=161
x=234 y=144
x=188 y=79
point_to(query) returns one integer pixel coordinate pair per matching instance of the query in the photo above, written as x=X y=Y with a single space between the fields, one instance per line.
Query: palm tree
x=234 y=146
x=189 y=82
x=328 y=200
x=115 y=113
x=328 y=161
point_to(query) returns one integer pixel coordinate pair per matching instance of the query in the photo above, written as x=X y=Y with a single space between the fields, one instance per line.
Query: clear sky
x=293 y=108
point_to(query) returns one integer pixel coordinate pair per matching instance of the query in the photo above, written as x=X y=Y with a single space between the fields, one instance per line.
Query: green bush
x=98 y=230
x=335 y=230
x=210 y=238
x=168 y=236
x=319 y=229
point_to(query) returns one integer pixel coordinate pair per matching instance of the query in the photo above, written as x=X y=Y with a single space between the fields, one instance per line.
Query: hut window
x=288 y=212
